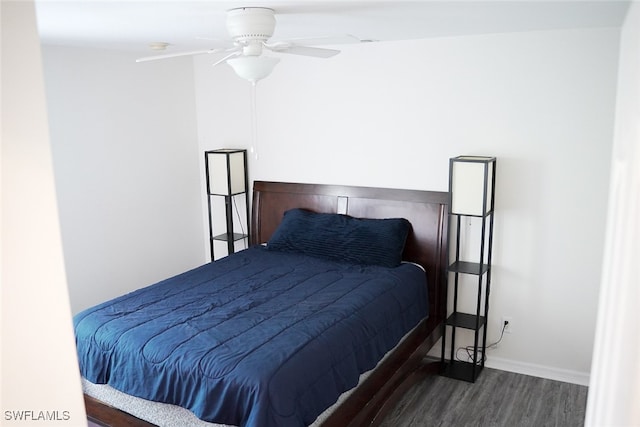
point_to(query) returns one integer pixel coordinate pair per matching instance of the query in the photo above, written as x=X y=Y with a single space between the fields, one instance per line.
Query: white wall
x=614 y=389
x=125 y=156
x=39 y=372
x=391 y=114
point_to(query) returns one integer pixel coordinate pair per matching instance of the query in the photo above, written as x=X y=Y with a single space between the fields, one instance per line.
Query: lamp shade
x=225 y=171
x=471 y=182
x=253 y=68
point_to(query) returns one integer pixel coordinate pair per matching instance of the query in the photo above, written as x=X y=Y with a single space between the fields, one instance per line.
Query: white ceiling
x=132 y=25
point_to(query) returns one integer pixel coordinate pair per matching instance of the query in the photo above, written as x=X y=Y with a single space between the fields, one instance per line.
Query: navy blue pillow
x=342 y=237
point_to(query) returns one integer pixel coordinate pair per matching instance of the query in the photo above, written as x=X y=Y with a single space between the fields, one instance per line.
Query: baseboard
x=564 y=375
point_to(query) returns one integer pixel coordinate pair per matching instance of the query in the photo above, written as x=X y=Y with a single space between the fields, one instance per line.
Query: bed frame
x=426 y=245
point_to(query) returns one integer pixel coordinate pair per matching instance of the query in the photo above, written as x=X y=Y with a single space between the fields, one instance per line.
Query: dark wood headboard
x=426 y=210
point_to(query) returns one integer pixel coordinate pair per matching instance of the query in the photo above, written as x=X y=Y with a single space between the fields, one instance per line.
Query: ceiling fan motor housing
x=247 y=24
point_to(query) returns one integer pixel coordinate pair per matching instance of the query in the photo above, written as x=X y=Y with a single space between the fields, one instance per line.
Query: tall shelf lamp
x=227 y=179
x=472 y=190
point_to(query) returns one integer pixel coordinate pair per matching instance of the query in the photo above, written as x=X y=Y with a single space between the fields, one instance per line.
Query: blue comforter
x=259 y=338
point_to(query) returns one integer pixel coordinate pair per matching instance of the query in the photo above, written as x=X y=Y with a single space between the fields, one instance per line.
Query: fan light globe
x=253 y=68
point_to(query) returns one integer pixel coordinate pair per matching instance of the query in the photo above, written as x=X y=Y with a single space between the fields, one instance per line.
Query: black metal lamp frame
x=469 y=371
x=229 y=235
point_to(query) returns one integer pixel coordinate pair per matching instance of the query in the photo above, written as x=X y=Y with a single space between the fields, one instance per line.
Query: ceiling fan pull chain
x=254 y=120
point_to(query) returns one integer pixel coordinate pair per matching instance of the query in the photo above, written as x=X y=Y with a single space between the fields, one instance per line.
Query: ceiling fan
x=250 y=28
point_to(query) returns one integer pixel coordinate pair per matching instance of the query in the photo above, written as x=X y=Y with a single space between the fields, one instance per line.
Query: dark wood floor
x=498 y=398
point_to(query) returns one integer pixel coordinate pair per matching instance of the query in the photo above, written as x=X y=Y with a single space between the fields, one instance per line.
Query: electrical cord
x=495 y=344
x=235 y=205
x=469 y=349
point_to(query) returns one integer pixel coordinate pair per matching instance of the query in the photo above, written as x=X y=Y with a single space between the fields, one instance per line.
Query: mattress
x=259 y=338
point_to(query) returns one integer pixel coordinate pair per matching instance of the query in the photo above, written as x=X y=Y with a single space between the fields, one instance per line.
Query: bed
x=294 y=311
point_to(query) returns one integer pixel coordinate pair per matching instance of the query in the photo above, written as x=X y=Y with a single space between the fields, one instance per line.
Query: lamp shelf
x=224 y=237
x=466 y=321
x=469 y=268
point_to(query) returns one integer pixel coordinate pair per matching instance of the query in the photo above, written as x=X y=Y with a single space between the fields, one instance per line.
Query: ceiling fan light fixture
x=253 y=68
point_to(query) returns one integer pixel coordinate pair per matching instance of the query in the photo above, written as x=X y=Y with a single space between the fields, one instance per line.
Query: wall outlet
x=509 y=328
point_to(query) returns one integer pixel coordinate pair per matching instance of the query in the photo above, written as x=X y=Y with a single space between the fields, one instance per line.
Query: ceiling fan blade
x=175 y=55
x=231 y=55
x=322 y=40
x=317 y=52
